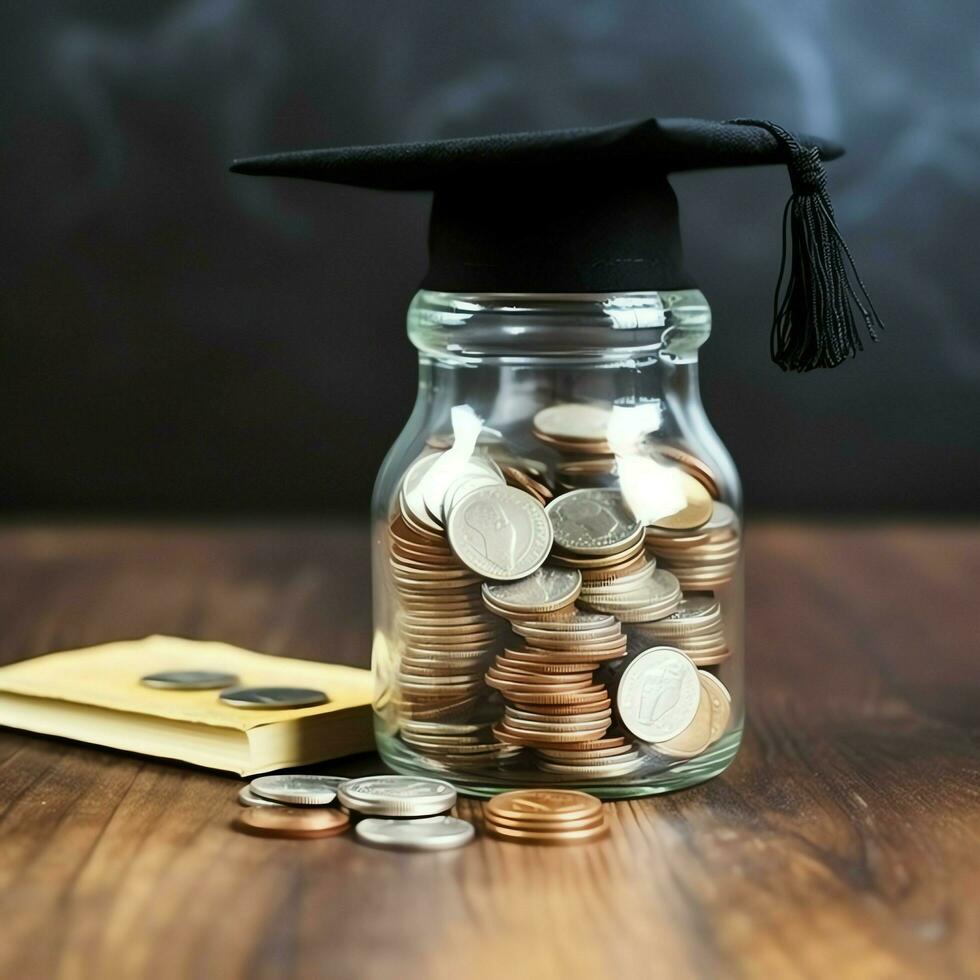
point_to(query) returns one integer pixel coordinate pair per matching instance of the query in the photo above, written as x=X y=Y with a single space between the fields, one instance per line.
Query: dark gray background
x=178 y=339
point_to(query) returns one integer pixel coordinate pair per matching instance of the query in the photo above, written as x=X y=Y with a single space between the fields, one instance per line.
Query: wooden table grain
x=843 y=842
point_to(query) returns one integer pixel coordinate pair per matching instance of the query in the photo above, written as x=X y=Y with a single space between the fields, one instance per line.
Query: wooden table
x=843 y=842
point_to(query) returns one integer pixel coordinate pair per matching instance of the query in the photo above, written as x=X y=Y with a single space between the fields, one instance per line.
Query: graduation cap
x=592 y=211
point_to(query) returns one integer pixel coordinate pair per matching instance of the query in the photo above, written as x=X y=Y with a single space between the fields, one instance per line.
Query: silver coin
x=410 y=496
x=543 y=591
x=593 y=522
x=397 y=796
x=293 y=789
x=189 y=680
x=659 y=694
x=247 y=797
x=273 y=697
x=425 y=834
x=447 y=473
x=500 y=532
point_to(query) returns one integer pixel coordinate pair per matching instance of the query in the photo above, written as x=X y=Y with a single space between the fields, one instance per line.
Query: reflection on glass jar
x=557 y=550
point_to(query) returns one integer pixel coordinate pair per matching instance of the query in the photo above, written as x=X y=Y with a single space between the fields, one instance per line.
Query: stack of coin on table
x=397 y=811
x=518 y=578
x=546 y=816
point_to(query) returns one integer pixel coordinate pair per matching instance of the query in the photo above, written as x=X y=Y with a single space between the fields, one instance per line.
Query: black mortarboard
x=591 y=211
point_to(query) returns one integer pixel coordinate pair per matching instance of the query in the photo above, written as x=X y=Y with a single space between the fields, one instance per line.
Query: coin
x=411 y=500
x=592 y=522
x=397 y=796
x=696 y=511
x=554 y=804
x=697 y=736
x=545 y=816
x=423 y=834
x=721 y=703
x=447 y=471
x=500 y=532
x=694 y=466
x=548 y=837
x=543 y=591
x=295 y=824
x=189 y=680
x=658 y=694
x=295 y=788
x=248 y=798
x=273 y=697
x=573 y=422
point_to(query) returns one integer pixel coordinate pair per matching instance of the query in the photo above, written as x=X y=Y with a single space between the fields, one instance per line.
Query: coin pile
x=664 y=700
x=702 y=558
x=695 y=629
x=548 y=684
x=539 y=816
x=514 y=590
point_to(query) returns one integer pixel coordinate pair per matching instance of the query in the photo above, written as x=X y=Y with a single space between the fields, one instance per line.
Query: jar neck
x=581 y=329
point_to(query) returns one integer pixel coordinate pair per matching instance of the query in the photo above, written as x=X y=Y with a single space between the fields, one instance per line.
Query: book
x=95 y=695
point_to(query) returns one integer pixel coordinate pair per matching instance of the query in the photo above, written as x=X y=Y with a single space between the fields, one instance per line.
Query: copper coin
x=548 y=826
x=538 y=804
x=549 y=837
x=292 y=823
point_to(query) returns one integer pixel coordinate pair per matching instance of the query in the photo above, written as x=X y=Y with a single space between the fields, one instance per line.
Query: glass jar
x=558 y=583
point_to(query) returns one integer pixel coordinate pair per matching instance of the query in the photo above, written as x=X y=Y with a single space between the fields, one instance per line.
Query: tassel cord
x=814 y=323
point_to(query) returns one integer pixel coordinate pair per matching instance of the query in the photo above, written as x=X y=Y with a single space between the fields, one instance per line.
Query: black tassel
x=813 y=316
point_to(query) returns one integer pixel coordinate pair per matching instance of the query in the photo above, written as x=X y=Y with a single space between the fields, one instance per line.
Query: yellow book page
x=108 y=676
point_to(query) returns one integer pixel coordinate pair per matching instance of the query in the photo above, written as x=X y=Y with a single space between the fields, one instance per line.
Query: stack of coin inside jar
x=539 y=626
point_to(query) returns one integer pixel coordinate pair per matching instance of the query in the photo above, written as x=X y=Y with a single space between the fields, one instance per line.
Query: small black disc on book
x=189 y=680
x=273 y=697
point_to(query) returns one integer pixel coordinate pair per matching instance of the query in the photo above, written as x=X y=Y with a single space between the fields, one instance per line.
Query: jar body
x=558 y=576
